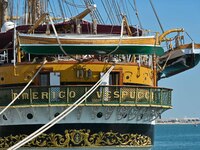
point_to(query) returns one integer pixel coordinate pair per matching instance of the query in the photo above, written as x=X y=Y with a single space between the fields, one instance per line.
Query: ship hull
x=180 y=59
x=84 y=127
x=81 y=135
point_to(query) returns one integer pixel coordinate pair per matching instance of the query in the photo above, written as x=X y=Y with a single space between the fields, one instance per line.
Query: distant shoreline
x=177 y=123
x=192 y=121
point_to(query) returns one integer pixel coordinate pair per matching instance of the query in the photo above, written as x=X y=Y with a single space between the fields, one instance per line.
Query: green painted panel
x=100 y=50
x=103 y=95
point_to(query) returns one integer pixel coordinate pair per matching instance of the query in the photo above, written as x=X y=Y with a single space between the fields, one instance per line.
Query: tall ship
x=80 y=83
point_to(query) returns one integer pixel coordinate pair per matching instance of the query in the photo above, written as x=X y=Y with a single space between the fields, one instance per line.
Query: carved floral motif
x=80 y=137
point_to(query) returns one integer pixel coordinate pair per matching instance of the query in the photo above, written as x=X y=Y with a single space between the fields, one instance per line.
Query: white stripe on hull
x=42 y=115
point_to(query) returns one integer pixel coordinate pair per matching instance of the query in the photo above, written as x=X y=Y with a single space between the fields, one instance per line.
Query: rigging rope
x=69 y=10
x=127 y=13
x=107 y=12
x=111 y=11
x=136 y=12
x=74 y=5
x=23 y=89
x=189 y=36
x=97 y=14
x=61 y=9
x=57 y=38
x=92 y=15
x=122 y=5
x=117 y=12
x=54 y=7
x=64 y=10
x=120 y=40
x=62 y=115
x=119 y=9
x=165 y=64
x=154 y=10
x=51 y=9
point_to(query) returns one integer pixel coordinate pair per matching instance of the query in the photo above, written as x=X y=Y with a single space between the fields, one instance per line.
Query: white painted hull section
x=42 y=115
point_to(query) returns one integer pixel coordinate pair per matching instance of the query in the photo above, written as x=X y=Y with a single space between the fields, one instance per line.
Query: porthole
x=56 y=114
x=4 y=117
x=100 y=114
x=127 y=77
x=29 y=116
x=2 y=78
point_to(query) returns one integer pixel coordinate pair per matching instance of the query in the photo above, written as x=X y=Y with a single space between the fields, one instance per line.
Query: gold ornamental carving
x=80 y=138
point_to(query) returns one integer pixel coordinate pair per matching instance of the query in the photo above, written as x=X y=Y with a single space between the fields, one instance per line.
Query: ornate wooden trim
x=80 y=138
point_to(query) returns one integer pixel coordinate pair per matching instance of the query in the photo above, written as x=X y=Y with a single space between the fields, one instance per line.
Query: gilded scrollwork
x=80 y=137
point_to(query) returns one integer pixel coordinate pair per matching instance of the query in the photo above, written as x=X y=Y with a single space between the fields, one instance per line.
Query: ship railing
x=3 y=57
x=103 y=96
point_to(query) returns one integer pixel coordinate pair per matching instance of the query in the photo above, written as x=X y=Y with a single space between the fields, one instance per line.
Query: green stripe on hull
x=79 y=49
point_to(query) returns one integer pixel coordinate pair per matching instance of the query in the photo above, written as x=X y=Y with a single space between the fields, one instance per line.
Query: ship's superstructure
x=99 y=89
x=119 y=112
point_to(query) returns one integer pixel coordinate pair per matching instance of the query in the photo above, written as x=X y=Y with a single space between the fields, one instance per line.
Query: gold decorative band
x=78 y=138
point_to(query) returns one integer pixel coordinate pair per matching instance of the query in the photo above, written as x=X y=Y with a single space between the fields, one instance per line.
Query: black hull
x=179 y=64
x=79 y=135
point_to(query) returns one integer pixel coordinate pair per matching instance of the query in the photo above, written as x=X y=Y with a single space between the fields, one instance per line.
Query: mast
x=34 y=10
x=3 y=11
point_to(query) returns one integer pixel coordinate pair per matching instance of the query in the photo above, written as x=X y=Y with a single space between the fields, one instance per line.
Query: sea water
x=177 y=137
x=167 y=137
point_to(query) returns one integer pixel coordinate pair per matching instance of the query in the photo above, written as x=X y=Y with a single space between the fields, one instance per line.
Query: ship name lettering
x=108 y=94
x=98 y=94
x=132 y=95
x=61 y=94
x=14 y=95
x=147 y=95
x=45 y=95
x=124 y=94
x=72 y=94
x=116 y=94
x=35 y=95
x=25 y=96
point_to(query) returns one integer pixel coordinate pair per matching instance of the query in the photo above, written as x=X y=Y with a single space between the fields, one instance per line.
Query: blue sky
x=186 y=85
